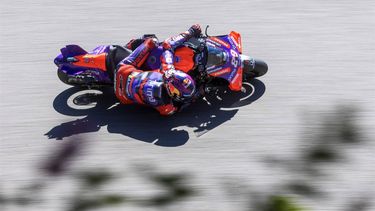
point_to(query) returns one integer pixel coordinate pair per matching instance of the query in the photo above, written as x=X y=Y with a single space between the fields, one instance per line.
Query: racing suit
x=133 y=85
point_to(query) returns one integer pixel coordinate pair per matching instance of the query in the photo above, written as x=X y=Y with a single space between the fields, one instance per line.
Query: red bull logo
x=172 y=90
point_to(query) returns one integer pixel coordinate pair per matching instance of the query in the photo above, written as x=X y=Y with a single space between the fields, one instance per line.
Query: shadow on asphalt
x=143 y=123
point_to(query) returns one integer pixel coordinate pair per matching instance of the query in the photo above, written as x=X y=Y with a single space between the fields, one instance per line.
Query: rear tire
x=63 y=77
x=84 y=82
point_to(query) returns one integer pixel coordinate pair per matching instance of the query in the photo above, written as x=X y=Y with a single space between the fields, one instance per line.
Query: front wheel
x=253 y=68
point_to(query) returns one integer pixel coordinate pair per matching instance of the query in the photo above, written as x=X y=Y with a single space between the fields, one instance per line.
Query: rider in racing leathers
x=165 y=89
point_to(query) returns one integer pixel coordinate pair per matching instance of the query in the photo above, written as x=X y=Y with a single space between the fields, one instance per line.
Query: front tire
x=254 y=68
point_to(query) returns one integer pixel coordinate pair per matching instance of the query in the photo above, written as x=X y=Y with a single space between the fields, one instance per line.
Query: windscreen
x=215 y=56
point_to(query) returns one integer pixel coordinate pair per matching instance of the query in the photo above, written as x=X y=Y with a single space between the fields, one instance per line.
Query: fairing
x=224 y=59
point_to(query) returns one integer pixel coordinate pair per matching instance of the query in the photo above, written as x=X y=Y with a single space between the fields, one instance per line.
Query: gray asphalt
x=320 y=54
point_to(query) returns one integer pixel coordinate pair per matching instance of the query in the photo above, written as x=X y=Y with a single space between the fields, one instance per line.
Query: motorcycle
x=212 y=61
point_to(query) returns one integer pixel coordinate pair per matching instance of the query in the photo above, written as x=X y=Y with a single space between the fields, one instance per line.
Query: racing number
x=234 y=58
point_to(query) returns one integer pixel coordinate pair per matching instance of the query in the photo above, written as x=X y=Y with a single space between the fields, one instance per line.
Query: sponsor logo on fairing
x=235 y=78
x=213 y=69
x=231 y=42
x=221 y=72
x=235 y=57
x=237 y=44
x=141 y=56
x=220 y=42
x=210 y=43
x=236 y=82
x=232 y=74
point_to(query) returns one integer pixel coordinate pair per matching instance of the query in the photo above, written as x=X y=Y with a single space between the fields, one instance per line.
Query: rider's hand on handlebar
x=195 y=30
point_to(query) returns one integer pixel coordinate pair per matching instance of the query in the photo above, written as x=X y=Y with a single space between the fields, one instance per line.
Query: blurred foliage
x=321 y=153
x=81 y=204
x=337 y=129
x=273 y=202
x=95 y=178
x=280 y=203
x=90 y=182
x=176 y=186
x=171 y=180
x=360 y=205
x=37 y=186
x=347 y=129
x=17 y=200
x=58 y=162
x=332 y=133
x=22 y=200
x=302 y=188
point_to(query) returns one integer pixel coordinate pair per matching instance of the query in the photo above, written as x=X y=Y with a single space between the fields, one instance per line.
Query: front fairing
x=224 y=60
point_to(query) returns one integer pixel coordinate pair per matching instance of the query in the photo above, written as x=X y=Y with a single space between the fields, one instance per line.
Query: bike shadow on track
x=144 y=123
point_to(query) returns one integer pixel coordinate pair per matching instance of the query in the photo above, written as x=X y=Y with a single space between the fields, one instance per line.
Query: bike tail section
x=78 y=67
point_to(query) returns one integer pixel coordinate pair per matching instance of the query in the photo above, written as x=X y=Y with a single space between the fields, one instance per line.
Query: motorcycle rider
x=166 y=89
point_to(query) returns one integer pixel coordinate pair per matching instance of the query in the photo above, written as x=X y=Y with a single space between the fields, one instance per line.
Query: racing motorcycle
x=212 y=61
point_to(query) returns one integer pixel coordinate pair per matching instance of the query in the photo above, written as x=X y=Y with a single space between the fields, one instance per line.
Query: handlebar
x=205 y=31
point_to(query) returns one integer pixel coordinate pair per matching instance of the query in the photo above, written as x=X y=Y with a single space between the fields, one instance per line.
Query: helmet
x=180 y=86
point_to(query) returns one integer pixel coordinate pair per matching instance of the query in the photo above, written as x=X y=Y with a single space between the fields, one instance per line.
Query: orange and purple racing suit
x=132 y=85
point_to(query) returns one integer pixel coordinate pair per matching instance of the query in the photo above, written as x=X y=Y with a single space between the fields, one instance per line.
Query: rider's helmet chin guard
x=179 y=85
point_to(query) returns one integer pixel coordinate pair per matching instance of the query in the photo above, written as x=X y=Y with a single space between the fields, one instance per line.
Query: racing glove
x=195 y=30
x=175 y=41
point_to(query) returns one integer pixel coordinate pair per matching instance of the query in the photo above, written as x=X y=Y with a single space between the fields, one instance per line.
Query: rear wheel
x=253 y=68
x=63 y=77
x=80 y=80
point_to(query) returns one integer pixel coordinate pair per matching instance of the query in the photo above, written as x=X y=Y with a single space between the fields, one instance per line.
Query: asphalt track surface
x=320 y=54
